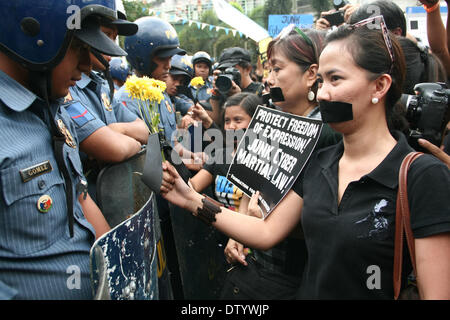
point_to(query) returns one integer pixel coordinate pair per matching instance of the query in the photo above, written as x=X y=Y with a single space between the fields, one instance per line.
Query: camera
x=224 y=80
x=427 y=113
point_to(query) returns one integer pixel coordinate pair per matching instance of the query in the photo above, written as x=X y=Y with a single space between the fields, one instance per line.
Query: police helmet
x=119 y=69
x=39 y=32
x=155 y=37
x=202 y=56
x=181 y=65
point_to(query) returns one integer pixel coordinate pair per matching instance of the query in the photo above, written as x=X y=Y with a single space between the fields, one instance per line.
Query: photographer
x=235 y=65
x=337 y=16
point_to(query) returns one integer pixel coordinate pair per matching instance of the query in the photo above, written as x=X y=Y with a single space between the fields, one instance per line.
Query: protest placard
x=272 y=153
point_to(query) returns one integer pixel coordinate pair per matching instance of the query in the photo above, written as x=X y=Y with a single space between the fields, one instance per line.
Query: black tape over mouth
x=335 y=111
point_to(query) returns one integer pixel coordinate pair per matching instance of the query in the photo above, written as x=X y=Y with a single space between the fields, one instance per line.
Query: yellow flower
x=197 y=82
x=149 y=94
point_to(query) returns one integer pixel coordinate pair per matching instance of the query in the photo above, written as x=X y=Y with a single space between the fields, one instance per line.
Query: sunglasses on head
x=378 y=22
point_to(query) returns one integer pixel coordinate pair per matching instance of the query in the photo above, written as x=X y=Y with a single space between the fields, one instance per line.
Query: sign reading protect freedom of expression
x=272 y=153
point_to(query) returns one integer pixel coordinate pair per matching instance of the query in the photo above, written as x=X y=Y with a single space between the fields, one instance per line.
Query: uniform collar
x=385 y=173
x=14 y=95
x=84 y=81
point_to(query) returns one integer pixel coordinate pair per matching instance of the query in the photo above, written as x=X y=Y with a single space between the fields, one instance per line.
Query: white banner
x=239 y=21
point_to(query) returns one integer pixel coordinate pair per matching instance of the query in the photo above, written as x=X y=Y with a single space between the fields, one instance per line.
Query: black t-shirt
x=351 y=245
x=254 y=87
x=224 y=191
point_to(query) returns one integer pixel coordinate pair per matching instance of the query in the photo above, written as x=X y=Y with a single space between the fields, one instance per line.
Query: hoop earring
x=311 y=95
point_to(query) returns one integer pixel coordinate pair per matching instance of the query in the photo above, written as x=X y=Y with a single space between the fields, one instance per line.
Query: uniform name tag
x=36 y=170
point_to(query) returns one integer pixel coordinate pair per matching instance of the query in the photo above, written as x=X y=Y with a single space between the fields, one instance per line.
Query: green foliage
x=193 y=39
x=136 y=9
x=321 y=5
x=237 y=6
x=278 y=7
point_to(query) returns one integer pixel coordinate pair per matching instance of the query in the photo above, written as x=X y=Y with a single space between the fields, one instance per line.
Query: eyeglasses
x=384 y=30
x=289 y=29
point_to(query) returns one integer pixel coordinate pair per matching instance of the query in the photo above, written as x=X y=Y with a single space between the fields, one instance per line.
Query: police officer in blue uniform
x=149 y=53
x=45 y=231
x=120 y=70
x=180 y=75
x=114 y=134
x=202 y=64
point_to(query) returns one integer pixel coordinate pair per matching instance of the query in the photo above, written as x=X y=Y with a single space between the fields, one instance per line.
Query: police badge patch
x=169 y=108
x=106 y=103
x=69 y=139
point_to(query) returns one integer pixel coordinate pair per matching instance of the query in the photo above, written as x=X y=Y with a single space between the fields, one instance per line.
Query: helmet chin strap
x=106 y=72
x=41 y=85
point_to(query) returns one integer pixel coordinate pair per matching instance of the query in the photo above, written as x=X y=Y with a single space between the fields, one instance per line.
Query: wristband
x=434 y=7
x=207 y=213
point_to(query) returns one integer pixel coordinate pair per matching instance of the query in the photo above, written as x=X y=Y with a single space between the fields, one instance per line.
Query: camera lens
x=223 y=83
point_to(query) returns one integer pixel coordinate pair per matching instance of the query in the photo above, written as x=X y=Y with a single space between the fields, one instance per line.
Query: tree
x=136 y=9
x=277 y=7
x=194 y=39
x=321 y=5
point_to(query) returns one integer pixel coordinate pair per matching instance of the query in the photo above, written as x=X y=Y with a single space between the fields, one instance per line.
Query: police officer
x=120 y=70
x=180 y=75
x=202 y=64
x=45 y=234
x=149 y=53
x=113 y=133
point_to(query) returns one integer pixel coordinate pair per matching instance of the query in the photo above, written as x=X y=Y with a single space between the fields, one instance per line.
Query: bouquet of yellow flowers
x=149 y=94
x=197 y=83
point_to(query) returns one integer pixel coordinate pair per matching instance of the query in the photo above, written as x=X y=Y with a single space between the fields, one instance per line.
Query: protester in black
x=355 y=227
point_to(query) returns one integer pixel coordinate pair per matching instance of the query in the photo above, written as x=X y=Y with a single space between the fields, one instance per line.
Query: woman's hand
x=235 y=252
x=253 y=208
x=175 y=190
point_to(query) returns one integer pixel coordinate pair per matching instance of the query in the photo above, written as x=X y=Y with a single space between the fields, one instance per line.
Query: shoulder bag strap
x=403 y=224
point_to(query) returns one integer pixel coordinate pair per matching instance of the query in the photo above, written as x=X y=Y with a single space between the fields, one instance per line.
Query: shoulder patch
x=79 y=114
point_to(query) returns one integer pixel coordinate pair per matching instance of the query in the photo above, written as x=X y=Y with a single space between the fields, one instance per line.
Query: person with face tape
x=346 y=195
x=293 y=58
x=48 y=222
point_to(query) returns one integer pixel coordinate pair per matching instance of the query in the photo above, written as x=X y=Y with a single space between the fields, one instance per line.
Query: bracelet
x=434 y=7
x=208 y=211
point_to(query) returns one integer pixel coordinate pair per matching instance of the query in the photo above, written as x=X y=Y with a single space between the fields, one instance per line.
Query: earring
x=311 y=95
x=375 y=100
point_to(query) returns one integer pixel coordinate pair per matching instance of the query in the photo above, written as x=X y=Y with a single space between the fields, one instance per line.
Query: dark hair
x=421 y=65
x=296 y=49
x=246 y=100
x=369 y=51
x=392 y=13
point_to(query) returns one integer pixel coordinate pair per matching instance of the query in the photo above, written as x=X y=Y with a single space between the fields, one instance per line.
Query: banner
x=278 y=21
x=239 y=21
x=272 y=153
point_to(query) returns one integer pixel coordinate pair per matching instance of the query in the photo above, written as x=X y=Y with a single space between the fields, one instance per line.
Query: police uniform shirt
x=38 y=259
x=182 y=103
x=204 y=93
x=93 y=92
x=346 y=242
x=166 y=110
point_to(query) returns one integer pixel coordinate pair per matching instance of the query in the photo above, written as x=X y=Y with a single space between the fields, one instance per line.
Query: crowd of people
x=65 y=102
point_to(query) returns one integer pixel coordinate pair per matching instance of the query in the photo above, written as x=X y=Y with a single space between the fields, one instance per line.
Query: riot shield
x=120 y=191
x=120 y=194
x=123 y=264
